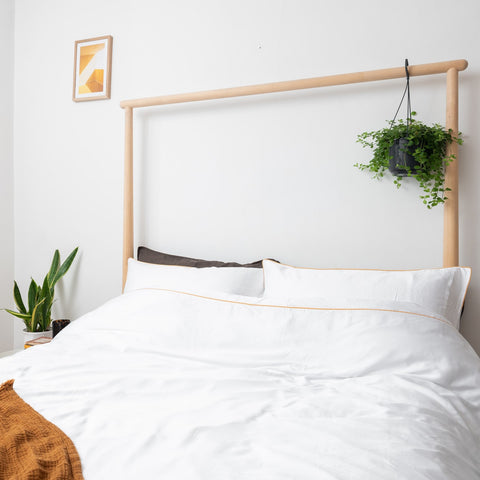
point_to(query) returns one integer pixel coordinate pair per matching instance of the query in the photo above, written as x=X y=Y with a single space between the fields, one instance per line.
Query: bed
x=265 y=370
x=160 y=383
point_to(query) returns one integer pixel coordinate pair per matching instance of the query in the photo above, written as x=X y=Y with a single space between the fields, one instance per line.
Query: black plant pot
x=58 y=325
x=403 y=161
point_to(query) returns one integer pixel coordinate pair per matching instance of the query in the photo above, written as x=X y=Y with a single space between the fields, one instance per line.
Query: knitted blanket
x=30 y=446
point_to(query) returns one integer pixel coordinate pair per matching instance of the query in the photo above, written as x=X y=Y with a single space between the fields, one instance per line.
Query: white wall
x=238 y=179
x=6 y=171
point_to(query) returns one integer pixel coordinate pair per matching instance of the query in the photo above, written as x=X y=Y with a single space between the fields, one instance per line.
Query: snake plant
x=37 y=314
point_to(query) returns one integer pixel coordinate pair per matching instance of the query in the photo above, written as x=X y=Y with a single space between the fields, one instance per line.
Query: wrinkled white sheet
x=164 y=385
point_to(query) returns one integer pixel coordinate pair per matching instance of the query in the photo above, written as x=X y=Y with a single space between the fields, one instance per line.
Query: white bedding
x=164 y=385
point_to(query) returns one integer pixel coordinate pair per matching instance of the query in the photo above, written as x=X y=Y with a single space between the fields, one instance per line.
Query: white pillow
x=236 y=280
x=440 y=290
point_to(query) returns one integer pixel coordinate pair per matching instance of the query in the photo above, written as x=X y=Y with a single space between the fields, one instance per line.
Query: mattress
x=162 y=384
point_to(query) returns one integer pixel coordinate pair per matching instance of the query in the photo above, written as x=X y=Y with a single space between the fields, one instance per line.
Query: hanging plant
x=411 y=148
x=414 y=150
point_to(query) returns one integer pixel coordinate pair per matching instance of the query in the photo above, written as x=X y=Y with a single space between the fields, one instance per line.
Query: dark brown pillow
x=147 y=255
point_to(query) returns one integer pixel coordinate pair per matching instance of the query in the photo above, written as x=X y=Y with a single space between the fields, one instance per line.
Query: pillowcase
x=145 y=254
x=440 y=290
x=232 y=280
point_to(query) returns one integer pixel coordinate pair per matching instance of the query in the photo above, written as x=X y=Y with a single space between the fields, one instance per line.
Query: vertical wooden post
x=128 y=194
x=450 y=212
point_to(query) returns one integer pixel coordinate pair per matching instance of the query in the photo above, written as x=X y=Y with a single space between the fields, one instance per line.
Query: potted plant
x=36 y=315
x=412 y=149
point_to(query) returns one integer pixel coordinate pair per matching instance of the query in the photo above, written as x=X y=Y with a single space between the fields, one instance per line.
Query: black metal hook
x=406 y=91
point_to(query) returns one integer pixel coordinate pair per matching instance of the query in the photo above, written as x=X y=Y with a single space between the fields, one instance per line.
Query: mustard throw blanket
x=31 y=447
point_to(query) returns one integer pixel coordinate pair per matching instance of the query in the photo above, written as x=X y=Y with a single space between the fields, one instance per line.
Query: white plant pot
x=27 y=336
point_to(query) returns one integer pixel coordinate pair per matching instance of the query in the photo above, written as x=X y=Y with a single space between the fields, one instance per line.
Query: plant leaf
x=23 y=316
x=46 y=315
x=35 y=314
x=54 y=267
x=45 y=287
x=18 y=298
x=64 y=268
x=32 y=294
x=47 y=296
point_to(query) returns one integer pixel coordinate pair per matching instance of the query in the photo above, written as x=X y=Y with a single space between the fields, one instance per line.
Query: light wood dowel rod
x=450 y=212
x=451 y=68
x=128 y=194
x=342 y=79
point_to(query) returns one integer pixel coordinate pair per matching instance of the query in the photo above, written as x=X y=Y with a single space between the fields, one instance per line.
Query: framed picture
x=92 y=69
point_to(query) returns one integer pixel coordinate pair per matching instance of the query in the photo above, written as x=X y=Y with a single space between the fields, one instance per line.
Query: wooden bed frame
x=451 y=68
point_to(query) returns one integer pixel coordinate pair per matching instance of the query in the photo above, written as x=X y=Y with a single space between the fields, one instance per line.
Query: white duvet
x=165 y=385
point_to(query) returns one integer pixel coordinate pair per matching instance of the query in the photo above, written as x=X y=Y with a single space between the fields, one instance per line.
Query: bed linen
x=441 y=290
x=31 y=447
x=145 y=254
x=231 y=280
x=158 y=384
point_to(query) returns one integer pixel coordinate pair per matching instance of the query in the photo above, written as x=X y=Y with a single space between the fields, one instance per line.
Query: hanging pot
x=401 y=160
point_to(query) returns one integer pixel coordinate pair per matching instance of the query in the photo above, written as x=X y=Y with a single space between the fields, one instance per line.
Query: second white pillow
x=441 y=290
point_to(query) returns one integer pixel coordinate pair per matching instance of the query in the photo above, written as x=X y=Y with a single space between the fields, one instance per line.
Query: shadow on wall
x=469 y=172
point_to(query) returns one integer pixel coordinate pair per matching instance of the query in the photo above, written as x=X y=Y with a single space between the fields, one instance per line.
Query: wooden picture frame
x=92 y=69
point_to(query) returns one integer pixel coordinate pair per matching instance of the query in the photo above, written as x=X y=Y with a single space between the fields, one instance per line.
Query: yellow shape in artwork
x=87 y=53
x=95 y=82
x=83 y=89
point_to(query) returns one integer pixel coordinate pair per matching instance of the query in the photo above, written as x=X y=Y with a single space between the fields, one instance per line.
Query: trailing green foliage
x=428 y=146
x=37 y=314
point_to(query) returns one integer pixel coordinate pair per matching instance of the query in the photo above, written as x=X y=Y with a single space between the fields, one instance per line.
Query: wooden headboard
x=450 y=68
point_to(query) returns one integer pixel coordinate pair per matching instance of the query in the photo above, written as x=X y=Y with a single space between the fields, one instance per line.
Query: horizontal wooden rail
x=331 y=80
